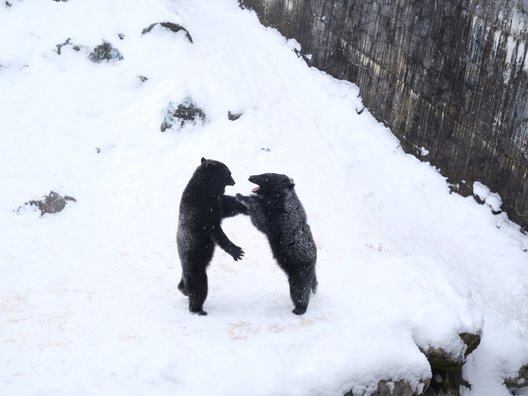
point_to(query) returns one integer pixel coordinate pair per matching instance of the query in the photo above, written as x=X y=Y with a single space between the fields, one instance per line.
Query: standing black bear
x=277 y=212
x=203 y=206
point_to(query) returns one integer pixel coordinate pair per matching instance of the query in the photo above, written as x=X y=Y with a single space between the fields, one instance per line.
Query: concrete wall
x=448 y=75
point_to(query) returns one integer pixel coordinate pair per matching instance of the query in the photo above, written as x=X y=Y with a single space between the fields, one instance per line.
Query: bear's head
x=216 y=173
x=271 y=184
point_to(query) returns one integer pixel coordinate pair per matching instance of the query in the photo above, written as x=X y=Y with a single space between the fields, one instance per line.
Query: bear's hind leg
x=197 y=289
x=182 y=287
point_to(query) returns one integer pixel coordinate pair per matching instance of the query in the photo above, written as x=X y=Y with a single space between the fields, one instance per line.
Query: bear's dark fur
x=276 y=210
x=203 y=206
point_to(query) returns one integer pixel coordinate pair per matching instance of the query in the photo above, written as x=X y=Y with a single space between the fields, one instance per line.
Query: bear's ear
x=292 y=183
x=203 y=160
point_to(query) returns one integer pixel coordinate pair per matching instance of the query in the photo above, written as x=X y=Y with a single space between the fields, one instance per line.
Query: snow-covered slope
x=88 y=298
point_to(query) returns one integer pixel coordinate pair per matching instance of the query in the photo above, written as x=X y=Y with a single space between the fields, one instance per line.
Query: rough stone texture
x=450 y=76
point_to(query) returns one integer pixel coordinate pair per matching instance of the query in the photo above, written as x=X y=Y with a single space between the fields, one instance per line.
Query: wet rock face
x=450 y=76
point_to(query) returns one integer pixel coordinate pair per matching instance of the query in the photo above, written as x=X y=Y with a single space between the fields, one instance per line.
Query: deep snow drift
x=88 y=298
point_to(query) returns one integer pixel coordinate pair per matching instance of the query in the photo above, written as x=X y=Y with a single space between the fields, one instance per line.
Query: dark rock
x=446 y=373
x=451 y=76
x=442 y=360
x=105 y=52
x=143 y=78
x=520 y=382
x=173 y=27
x=397 y=388
x=68 y=43
x=121 y=36
x=58 y=1
x=51 y=203
x=59 y=46
x=182 y=114
x=104 y=149
x=447 y=369
x=8 y=4
x=472 y=341
x=233 y=116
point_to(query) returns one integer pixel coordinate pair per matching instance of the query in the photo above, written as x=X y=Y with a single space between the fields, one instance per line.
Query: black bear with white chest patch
x=276 y=210
x=203 y=206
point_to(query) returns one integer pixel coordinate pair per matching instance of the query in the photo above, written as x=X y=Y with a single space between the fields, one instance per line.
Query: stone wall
x=447 y=75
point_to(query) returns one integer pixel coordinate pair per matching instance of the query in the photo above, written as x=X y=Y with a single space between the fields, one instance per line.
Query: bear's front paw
x=236 y=253
x=241 y=198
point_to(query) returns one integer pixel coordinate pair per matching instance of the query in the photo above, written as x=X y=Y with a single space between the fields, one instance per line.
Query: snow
x=493 y=200
x=88 y=298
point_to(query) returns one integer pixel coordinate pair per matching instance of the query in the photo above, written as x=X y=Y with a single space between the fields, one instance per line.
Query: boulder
x=173 y=27
x=519 y=382
x=182 y=114
x=233 y=116
x=393 y=388
x=446 y=368
x=105 y=52
x=51 y=203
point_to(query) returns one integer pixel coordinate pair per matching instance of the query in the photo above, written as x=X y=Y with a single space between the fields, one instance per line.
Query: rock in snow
x=182 y=114
x=105 y=52
x=51 y=203
x=173 y=27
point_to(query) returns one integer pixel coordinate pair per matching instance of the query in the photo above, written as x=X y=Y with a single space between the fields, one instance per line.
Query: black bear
x=203 y=206
x=276 y=210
